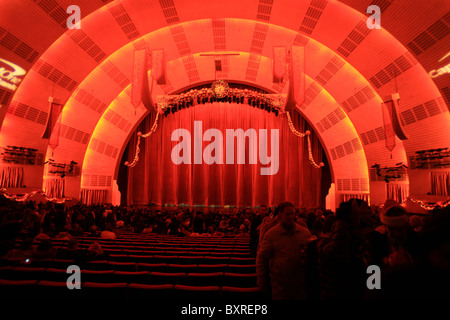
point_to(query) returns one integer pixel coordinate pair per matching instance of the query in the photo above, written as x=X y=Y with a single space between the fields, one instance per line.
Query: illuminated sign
x=439 y=72
x=10 y=75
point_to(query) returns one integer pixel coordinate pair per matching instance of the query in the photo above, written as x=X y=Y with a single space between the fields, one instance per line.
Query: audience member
x=428 y=276
x=340 y=257
x=108 y=233
x=199 y=223
x=315 y=221
x=280 y=257
x=394 y=242
x=71 y=252
x=44 y=250
x=24 y=251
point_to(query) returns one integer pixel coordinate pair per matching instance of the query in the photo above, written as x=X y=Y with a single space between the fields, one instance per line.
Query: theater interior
x=135 y=117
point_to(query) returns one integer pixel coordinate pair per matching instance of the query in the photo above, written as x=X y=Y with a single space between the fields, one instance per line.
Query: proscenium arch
x=269 y=83
x=227 y=10
x=93 y=164
x=195 y=55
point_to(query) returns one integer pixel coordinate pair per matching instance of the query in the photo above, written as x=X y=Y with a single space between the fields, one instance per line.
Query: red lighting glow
x=278 y=124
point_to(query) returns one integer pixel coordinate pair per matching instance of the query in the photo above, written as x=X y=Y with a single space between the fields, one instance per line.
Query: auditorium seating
x=142 y=266
x=18 y=289
x=55 y=290
x=203 y=293
x=149 y=292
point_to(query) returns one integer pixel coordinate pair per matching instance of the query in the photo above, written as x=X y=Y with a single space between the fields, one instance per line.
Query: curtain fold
x=440 y=183
x=398 y=192
x=362 y=196
x=156 y=179
x=54 y=188
x=93 y=196
x=11 y=177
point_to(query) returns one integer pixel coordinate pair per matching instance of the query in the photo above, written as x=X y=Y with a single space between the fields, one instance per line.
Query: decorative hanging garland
x=221 y=91
x=302 y=135
x=139 y=135
x=26 y=196
x=294 y=131
x=426 y=206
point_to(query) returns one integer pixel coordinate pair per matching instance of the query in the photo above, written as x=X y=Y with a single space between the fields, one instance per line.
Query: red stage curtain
x=54 y=188
x=348 y=196
x=440 y=183
x=11 y=177
x=156 y=179
x=398 y=192
x=93 y=196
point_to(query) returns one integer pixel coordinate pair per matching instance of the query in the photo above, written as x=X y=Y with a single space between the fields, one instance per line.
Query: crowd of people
x=300 y=253
x=332 y=256
x=30 y=221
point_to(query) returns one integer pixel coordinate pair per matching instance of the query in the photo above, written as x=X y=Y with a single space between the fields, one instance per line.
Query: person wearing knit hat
x=394 y=215
x=392 y=243
x=399 y=234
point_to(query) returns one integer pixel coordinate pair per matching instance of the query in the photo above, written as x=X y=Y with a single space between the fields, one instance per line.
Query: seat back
x=104 y=291
x=204 y=279
x=247 y=280
x=149 y=292
x=122 y=266
x=152 y=267
x=56 y=290
x=101 y=276
x=244 y=294
x=141 y=277
x=167 y=278
x=18 y=289
x=204 y=293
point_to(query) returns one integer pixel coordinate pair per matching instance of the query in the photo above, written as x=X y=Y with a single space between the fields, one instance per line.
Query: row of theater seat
x=244 y=280
x=111 y=245
x=187 y=241
x=181 y=259
x=131 y=266
x=54 y=290
x=154 y=238
x=130 y=262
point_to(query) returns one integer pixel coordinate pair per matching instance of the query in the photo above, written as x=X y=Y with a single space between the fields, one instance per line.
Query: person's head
x=344 y=211
x=318 y=212
x=276 y=211
x=95 y=248
x=395 y=219
x=286 y=214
